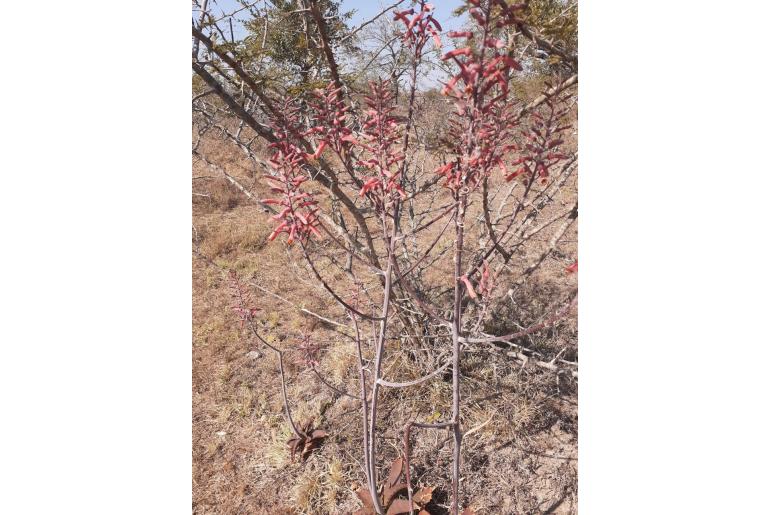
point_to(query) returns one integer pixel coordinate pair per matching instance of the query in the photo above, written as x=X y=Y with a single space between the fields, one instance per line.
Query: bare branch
x=371 y=20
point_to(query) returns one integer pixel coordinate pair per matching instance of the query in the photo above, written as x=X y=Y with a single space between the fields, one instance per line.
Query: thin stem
x=278 y=352
x=416 y=381
x=456 y=328
x=285 y=397
x=377 y=367
x=364 y=409
x=331 y=386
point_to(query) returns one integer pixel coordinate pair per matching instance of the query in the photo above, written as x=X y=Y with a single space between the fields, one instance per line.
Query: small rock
x=221 y=433
x=255 y=354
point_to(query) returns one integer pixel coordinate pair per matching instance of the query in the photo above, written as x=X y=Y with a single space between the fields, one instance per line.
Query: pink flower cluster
x=378 y=138
x=542 y=144
x=298 y=218
x=421 y=27
x=329 y=114
x=485 y=118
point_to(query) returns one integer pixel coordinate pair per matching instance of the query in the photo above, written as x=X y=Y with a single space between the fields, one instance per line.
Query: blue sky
x=366 y=9
x=362 y=11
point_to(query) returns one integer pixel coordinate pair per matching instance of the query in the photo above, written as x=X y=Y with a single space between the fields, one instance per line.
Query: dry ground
x=523 y=458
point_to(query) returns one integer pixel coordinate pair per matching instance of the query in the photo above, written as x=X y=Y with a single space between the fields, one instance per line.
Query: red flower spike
x=382 y=130
x=541 y=153
x=480 y=135
x=298 y=217
x=420 y=28
x=328 y=114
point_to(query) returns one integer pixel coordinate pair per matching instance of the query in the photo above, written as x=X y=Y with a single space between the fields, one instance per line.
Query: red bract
x=573 y=268
x=298 y=217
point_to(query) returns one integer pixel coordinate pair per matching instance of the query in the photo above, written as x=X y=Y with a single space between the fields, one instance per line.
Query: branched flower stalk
x=246 y=311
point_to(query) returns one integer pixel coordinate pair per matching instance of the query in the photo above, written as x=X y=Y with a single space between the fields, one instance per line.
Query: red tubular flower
x=456 y=52
x=493 y=43
x=485 y=283
x=413 y=21
x=402 y=15
x=436 y=38
x=318 y=151
x=521 y=171
x=478 y=16
x=469 y=286
x=370 y=185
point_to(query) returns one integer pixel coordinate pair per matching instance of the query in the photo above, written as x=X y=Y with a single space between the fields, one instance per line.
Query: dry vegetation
x=520 y=420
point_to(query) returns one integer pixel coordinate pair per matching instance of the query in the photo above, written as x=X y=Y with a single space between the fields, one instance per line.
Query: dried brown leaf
x=399 y=506
x=294 y=444
x=424 y=495
x=392 y=491
x=365 y=497
x=395 y=471
x=304 y=442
